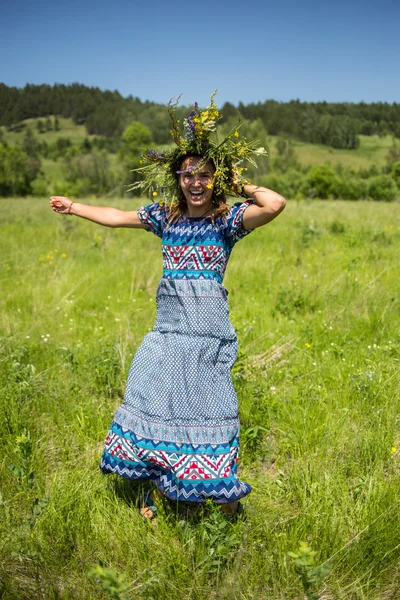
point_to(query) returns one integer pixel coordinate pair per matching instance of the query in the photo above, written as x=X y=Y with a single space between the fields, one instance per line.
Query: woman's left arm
x=268 y=205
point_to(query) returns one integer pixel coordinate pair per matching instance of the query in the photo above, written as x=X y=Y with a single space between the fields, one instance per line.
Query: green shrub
x=39 y=187
x=321 y=181
x=395 y=173
x=350 y=188
x=382 y=188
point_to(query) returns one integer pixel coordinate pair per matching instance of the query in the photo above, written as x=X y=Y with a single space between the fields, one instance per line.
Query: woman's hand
x=61 y=204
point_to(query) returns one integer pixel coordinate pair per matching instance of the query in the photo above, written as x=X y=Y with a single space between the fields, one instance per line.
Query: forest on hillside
x=107 y=113
x=81 y=141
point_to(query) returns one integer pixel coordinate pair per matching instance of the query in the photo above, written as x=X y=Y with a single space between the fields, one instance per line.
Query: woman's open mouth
x=196 y=195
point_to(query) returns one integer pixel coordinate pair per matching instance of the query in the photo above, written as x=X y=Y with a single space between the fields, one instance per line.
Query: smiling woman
x=178 y=425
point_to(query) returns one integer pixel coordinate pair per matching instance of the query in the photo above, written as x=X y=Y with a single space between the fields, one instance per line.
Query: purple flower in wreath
x=154 y=155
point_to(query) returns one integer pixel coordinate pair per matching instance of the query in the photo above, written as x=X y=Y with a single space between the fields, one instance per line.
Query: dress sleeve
x=235 y=230
x=153 y=217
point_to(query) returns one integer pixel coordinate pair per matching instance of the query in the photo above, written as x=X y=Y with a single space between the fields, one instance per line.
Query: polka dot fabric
x=178 y=425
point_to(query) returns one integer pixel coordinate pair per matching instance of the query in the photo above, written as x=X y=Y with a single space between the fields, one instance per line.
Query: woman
x=178 y=425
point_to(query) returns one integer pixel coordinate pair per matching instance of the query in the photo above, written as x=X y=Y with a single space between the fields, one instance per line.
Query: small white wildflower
x=116 y=318
x=109 y=297
x=273 y=388
x=27 y=337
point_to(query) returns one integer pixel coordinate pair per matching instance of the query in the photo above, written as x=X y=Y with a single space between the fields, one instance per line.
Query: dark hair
x=219 y=205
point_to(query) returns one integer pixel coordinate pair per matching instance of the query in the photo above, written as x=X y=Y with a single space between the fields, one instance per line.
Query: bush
x=395 y=173
x=321 y=181
x=17 y=171
x=89 y=173
x=39 y=187
x=292 y=184
x=350 y=188
x=382 y=188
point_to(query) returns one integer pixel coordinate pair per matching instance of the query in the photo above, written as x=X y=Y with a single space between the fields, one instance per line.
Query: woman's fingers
x=60 y=203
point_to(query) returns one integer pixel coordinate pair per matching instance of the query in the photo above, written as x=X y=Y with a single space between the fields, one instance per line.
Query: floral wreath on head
x=160 y=169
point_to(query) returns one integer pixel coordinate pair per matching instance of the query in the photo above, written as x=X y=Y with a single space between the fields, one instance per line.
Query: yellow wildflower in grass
x=307 y=345
x=64 y=255
x=394 y=449
x=56 y=250
x=154 y=194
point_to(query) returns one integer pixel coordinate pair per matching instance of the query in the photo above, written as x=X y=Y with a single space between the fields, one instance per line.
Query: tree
x=135 y=138
x=40 y=126
x=30 y=144
x=286 y=158
x=49 y=124
x=17 y=171
x=393 y=154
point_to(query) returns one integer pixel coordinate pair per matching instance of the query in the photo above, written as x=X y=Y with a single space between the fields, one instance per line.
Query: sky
x=338 y=51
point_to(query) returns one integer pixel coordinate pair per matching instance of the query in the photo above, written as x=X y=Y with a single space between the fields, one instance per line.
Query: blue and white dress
x=178 y=425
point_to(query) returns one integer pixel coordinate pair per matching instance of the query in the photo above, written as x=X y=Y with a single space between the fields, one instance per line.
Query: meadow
x=314 y=298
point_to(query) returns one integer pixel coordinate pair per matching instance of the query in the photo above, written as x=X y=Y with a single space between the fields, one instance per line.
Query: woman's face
x=195 y=180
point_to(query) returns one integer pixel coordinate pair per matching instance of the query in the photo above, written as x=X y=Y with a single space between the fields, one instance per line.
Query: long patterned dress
x=178 y=425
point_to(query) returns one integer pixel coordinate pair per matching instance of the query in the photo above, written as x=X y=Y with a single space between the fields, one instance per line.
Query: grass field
x=372 y=151
x=314 y=298
x=68 y=129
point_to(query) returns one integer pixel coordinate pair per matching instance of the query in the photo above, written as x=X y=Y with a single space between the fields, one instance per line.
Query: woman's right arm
x=103 y=215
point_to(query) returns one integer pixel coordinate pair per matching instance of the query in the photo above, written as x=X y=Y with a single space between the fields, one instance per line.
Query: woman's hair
x=219 y=205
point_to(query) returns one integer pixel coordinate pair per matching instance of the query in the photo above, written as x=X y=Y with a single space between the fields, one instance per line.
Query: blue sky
x=251 y=51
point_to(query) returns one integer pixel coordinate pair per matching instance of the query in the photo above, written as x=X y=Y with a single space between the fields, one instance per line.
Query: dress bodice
x=195 y=247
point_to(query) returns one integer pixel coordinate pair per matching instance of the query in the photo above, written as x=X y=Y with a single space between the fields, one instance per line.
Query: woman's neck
x=200 y=211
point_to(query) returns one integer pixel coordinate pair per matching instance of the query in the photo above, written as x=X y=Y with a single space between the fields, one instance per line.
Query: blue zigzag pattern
x=189 y=472
x=177 y=489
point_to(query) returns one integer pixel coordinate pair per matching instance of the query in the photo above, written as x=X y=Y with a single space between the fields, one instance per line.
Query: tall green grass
x=314 y=298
